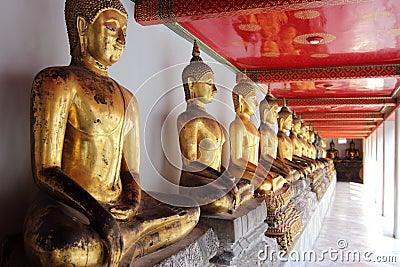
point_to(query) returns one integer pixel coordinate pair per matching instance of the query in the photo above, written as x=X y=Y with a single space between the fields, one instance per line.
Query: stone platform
x=241 y=235
x=196 y=249
x=306 y=240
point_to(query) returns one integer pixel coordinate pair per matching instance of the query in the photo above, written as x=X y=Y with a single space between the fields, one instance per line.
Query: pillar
x=396 y=229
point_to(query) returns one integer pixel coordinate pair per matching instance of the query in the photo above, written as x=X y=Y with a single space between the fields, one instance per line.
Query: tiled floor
x=353 y=222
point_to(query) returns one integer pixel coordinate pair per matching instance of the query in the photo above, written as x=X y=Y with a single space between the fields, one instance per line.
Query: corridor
x=354 y=233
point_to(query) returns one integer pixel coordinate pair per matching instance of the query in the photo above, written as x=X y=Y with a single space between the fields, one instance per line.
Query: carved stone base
x=196 y=249
x=241 y=234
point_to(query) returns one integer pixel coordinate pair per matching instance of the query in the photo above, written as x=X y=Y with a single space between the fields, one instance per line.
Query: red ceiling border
x=150 y=12
x=328 y=73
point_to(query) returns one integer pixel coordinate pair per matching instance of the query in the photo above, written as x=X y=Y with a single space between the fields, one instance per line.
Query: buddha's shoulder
x=55 y=73
x=188 y=118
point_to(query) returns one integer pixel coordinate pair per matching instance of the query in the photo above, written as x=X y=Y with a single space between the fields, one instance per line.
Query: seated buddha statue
x=332 y=152
x=285 y=148
x=324 y=153
x=201 y=138
x=352 y=152
x=313 y=154
x=269 y=141
x=85 y=155
x=306 y=145
x=244 y=144
x=297 y=144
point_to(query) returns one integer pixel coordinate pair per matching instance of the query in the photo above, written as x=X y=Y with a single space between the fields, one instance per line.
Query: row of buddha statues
x=351 y=153
x=85 y=143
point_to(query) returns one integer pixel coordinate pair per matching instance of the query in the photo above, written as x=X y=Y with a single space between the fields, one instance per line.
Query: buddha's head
x=198 y=79
x=311 y=135
x=285 y=117
x=96 y=30
x=332 y=145
x=352 y=144
x=304 y=131
x=323 y=142
x=244 y=97
x=269 y=109
x=296 y=123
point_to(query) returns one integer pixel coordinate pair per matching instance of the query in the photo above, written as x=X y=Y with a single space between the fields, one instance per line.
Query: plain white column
x=388 y=167
x=379 y=165
x=396 y=229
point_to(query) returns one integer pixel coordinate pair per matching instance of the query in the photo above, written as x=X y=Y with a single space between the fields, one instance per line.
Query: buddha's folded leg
x=158 y=224
x=57 y=235
x=213 y=197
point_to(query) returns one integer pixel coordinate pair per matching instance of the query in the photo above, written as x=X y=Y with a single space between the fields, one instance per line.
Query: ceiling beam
x=343 y=102
x=152 y=12
x=310 y=117
x=325 y=73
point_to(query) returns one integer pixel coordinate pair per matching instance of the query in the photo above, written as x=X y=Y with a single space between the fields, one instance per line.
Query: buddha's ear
x=81 y=25
x=190 y=84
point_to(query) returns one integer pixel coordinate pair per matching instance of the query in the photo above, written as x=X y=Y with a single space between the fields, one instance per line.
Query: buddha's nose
x=121 y=38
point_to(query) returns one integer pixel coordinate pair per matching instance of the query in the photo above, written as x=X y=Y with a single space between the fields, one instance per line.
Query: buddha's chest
x=210 y=130
x=251 y=138
x=98 y=108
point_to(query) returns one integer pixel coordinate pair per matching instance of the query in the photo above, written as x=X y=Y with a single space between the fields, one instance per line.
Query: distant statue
x=269 y=141
x=85 y=155
x=352 y=152
x=332 y=153
x=201 y=138
x=285 y=148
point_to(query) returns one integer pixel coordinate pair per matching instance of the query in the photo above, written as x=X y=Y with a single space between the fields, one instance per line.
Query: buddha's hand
x=122 y=212
x=129 y=202
x=111 y=236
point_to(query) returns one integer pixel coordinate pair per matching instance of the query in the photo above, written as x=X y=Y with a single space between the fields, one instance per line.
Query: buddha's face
x=271 y=114
x=250 y=104
x=312 y=137
x=332 y=146
x=288 y=123
x=106 y=37
x=203 y=90
x=296 y=127
x=303 y=132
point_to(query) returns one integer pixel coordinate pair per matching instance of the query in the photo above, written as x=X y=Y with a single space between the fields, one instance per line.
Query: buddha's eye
x=113 y=29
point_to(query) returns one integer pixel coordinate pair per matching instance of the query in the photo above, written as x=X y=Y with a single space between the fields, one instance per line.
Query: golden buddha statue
x=269 y=141
x=201 y=138
x=245 y=142
x=352 y=152
x=85 y=155
x=285 y=148
x=323 y=148
x=313 y=153
x=332 y=153
x=244 y=136
x=299 y=151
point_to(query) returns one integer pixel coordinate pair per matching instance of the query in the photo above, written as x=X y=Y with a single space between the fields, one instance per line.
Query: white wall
x=34 y=36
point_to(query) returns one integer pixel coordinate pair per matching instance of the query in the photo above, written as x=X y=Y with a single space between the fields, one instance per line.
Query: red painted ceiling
x=351 y=76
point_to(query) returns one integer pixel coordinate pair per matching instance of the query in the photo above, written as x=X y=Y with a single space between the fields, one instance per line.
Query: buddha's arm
x=188 y=142
x=131 y=192
x=52 y=94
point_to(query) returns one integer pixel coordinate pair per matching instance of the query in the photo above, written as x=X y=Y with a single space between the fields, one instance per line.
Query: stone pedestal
x=196 y=249
x=241 y=235
x=305 y=200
